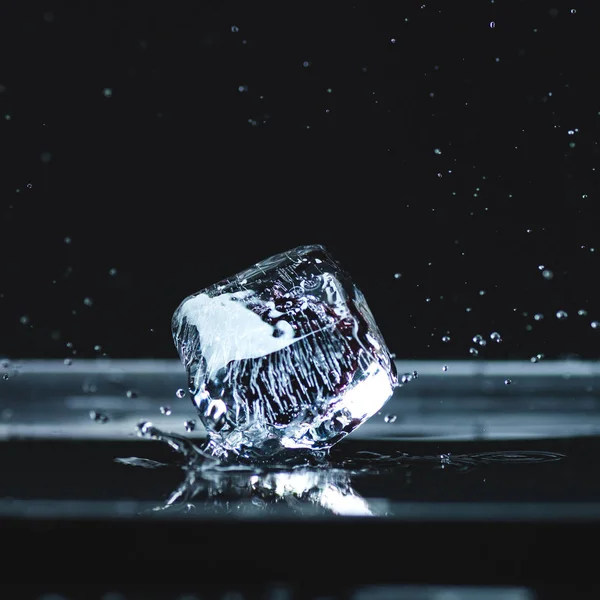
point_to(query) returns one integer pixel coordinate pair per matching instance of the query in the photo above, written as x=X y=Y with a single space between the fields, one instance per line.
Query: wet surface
x=473 y=482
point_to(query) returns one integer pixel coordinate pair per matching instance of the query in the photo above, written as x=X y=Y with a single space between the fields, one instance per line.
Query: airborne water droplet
x=445 y=338
x=390 y=418
x=507 y=382
x=165 y=410
x=561 y=314
x=595 y=324
x=496 y=337
x=582 y=312
x=68 y=362
x=98 y=417
x=180 y=393
x=190 y=425
x=131 y=394
x=445 y=368
x=473 y=351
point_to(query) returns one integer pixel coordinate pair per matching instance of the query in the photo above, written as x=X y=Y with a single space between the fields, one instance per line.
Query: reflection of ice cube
x=283 y=355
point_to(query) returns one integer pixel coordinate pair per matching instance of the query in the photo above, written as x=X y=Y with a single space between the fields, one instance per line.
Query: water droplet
x=397 y=275
x=582 y=312
x=595 y=324
x=538 y=316
x=306 y=63
x=445 y=368
x=406 y=378
x=98 y=417
x=393 y=40
x=131 y=394
x=495 y=337
x=165 y=410
x=415 y=374
x=24 y=320
x=97 y=348
x=242 y=88
x=445 y=338
x=390 y=418
x=68 y=362
x=68 y=240
x=112 y=272
x=507 y=381
x=235 y=28
x=573 y=11
x=190 y=425
x=473 y=352
x=107 y=92
x=5 y=376
x=88 y=301
x=437 y=151
x=492 y=24
x=547 y=274
x=561 y=314
x=180 y=393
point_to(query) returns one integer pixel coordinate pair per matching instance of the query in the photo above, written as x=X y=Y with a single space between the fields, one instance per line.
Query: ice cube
x=284 y=355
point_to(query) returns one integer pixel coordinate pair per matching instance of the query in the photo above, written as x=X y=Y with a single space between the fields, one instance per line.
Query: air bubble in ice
x=390 y=418
x=285 y=355
x=98 y=417
x=180 y=393
x=561 y=314
x=165 y=410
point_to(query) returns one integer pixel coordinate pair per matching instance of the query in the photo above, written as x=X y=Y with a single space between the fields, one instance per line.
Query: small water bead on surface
x=495 y=337
x=190 y=425
x=283 y=356
x=98 y=417
x=390 y=418
x=180 y=393
x=561 y=314
x=165 y=410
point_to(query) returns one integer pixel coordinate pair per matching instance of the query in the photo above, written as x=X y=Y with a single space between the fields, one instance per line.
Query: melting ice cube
x=284 y=355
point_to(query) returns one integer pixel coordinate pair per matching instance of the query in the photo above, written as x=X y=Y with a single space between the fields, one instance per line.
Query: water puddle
x=310 y=483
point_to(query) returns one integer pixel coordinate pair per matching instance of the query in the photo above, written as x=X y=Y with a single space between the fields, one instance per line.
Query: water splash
x=318 y=482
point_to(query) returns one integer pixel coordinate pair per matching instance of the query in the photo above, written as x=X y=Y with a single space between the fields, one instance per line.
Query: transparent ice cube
x=284 y=355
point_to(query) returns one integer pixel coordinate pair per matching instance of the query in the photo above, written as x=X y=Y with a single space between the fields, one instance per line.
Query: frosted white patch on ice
x=228 y=330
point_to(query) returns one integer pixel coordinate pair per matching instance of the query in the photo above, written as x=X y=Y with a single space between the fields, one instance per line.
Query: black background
x=177 y=178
